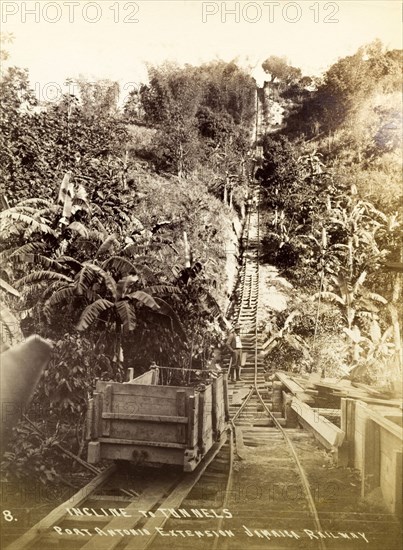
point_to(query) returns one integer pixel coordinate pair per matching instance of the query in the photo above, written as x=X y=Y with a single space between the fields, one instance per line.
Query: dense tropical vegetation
x=333 y=194
x=116 y=225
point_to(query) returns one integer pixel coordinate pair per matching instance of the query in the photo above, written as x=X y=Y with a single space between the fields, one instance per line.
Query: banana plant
x=285 y=337
x=352 y=298
x=371 y=350
x=357 y=223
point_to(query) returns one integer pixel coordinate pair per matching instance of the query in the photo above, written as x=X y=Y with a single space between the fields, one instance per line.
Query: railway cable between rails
x=128 y=510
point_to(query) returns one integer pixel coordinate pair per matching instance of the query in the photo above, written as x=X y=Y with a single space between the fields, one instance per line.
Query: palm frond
x=36 y=202
x=93 y=312
x=209 y=303
x=291 y=317
x=146 y=273
x=360 y=281
x=376 y=297
x=73 y=264
x=38 y=259
x=60 y=296
x=134 y=249
x=100 y=226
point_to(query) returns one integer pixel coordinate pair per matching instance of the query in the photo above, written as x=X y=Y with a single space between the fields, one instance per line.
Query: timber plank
x=114 y=441
x=148 y=499
x=58 y=513
x=146 y=417
x=329 y=434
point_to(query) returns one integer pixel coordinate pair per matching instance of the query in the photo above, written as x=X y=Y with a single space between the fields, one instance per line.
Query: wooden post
x=277 y=396
x=192 y=415
x=214 y=408
x=290 y=415
x=201 y=422
x=398 y=483
x=226 y=400
x=370 y=475
x=155 y=376
x=96 y=417
x=106 y=424
x=346 y=452
x=181 y=411
x=89 y=420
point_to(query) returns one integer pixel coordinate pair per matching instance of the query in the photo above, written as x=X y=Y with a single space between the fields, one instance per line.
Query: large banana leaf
x=27 y=220
x=42 y=276
x=108 y=243
x=127 y=315
x=8 y=288
x=122 y=265
x=93 y=312
x=92 y=274
x=28 y=248
x=145 y=298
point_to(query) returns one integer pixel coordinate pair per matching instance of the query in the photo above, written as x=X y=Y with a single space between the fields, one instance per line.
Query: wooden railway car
x=157 y=424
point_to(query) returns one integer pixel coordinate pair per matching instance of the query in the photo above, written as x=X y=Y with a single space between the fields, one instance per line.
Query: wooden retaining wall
x=373 y=445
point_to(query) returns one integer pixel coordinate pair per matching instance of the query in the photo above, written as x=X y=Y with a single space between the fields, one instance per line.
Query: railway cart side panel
x=155 y=424
x=218 y=407
x=205 y=420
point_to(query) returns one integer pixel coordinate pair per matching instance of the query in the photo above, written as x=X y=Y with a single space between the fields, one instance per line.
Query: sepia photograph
x=201 y=211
